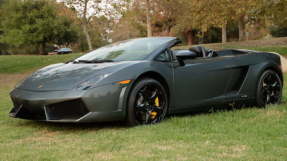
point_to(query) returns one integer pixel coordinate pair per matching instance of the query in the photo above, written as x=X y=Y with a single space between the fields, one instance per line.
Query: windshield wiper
x=93 y=61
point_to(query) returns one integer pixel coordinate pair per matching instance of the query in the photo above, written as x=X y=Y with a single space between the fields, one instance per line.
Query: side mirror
x=181 y=55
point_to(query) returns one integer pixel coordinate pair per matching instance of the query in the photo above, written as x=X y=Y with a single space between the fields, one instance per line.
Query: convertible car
x=142 y=80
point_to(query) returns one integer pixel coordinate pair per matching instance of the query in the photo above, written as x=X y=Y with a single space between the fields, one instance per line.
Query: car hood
x=68 y=76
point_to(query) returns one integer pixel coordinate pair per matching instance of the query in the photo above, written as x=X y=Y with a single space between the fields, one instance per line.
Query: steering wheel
x=203 y=52
x=210 y=53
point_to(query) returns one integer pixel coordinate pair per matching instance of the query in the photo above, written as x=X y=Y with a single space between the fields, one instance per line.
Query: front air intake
x=68 y=110
x=25 y=111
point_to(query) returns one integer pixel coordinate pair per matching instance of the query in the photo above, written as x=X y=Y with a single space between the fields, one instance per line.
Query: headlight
x=86 y=85
x=92 y=82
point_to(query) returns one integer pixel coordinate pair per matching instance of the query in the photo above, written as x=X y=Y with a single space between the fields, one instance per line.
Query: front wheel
x=148 y=103
x=269 y=89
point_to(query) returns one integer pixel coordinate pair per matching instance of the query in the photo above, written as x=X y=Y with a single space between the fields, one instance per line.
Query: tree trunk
x=42 y=48
x=189 y=37
x=148 y=19
x=241 y=27
x=224 y=33
x=85 y=26
x=168 y=31
x=88 y=38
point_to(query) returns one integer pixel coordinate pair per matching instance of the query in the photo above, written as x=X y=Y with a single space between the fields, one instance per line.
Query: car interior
x=186 y=56
x=202 y=52
x=195 y=52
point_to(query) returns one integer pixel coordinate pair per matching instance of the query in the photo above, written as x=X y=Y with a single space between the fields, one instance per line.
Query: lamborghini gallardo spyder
x=142 y=80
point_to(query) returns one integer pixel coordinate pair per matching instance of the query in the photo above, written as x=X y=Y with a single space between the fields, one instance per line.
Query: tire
x=145 y=105
x=269 y=89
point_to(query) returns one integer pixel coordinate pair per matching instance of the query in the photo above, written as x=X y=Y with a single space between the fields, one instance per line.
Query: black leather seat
x=203 y=52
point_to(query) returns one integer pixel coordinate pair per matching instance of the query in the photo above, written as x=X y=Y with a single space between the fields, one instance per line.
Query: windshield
x=129 y=50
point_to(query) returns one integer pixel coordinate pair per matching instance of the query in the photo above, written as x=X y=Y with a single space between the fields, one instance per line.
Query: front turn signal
x=124 y=82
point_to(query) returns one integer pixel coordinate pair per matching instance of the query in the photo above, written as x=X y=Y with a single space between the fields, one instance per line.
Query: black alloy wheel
x=269 y=90
x=148 y=103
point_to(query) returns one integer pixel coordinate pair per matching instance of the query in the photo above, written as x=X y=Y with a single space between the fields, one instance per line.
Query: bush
x=278 y=31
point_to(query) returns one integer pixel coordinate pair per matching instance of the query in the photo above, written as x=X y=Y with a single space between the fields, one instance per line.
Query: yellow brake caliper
x=154 y=114
x=156 y=102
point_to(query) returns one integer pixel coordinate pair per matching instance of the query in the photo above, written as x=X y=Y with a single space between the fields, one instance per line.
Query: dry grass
x=9 y=80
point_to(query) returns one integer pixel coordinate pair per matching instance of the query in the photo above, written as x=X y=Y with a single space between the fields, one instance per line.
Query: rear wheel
x=148 y=103
x=269 y=89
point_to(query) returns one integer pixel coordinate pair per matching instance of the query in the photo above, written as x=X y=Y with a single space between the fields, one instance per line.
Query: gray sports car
x=142 y=80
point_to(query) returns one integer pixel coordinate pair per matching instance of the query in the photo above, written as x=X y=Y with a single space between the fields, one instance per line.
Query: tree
x=195 y=17
x=275 y=11
x=35 y=23
x=87 y=9
x=100 y=28
x=132 y=22
x=155 y=15
x=82 y=7
x=164 y=18
x=167 y=18
x=225 y=13
x=2 y=46
x=244 y=12
x=241 y=11
x=148 y=18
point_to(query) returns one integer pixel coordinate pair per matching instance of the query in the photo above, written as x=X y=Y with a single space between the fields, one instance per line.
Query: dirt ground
x=9 y=80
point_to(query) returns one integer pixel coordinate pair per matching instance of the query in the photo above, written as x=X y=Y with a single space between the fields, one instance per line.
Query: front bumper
x=101 y=104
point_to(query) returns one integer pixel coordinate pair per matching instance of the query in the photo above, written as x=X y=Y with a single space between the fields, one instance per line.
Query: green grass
x=24 y=63
x=250 y=134
x=239 y=135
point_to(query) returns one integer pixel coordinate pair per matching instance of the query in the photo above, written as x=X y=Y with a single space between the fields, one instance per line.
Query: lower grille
x=69 y=110
x=28 y=112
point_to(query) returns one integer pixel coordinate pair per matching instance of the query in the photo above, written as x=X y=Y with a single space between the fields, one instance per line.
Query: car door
x=201 y=81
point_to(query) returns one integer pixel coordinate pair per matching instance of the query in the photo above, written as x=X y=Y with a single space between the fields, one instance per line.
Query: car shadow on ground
x=114 y=125
x=75 y=126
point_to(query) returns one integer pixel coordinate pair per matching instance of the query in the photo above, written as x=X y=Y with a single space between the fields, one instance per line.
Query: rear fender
x=255 y=71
